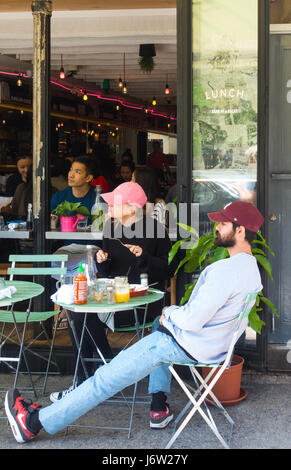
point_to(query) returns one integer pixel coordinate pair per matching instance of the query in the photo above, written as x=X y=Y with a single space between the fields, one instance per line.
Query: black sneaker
x=18 y=412
x=161 y=419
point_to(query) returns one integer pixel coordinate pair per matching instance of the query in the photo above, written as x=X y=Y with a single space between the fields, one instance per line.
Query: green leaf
x=175 y=248
x=258 y=251
x=265 y=245
x=220 y=253
x=182 y=262
x=189 y=229
x=265 y=263
x=270 y=304
x=83 y=210
x=188 y=291
x=206 y=248
x=192 y=264
x=255 y=322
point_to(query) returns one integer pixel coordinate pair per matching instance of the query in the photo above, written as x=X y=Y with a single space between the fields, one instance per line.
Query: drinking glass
x=121 y=289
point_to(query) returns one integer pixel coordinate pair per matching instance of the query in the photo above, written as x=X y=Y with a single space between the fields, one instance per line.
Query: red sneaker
x=160 y=419
x=18 y=413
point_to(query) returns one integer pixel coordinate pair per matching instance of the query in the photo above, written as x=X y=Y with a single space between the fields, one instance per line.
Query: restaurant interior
x=113 y=73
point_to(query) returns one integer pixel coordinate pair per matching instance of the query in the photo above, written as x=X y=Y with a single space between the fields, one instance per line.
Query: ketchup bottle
x=80 y=287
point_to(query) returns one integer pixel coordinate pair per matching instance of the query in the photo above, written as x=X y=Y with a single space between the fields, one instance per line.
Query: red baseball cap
x=241 y=213
x=126 y=193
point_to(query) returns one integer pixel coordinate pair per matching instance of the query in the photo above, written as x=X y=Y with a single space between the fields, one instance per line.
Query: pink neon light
x=104 y=98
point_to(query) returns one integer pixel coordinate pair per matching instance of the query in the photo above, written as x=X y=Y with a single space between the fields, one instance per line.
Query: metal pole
x=41 y=11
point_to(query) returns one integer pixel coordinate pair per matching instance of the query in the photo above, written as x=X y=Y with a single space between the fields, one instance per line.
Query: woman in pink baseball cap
x=133 y=242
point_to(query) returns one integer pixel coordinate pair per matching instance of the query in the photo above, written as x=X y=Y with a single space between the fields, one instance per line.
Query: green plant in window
x=67 y=209
x=202 y=252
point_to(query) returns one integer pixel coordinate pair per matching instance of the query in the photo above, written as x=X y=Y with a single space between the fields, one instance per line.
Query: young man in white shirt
x=201 y=330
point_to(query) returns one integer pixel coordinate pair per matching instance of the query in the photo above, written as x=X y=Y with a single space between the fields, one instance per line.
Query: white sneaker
x=55 y=396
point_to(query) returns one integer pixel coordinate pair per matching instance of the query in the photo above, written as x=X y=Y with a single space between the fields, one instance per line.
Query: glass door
x=225 y=107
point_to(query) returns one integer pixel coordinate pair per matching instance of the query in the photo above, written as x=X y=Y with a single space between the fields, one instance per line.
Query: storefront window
x=225 y=112
x=225 y=73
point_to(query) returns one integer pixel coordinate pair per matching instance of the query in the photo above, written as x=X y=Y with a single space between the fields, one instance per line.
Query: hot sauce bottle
x=80 y=287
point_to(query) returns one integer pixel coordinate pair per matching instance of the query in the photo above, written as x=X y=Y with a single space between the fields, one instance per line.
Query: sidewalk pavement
x=262 y=420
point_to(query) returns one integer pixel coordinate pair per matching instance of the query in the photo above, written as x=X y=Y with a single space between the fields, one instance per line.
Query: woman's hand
x=135 y=249
x=101 y=256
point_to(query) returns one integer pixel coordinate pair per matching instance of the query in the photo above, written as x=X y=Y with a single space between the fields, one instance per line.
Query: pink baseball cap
x=126 y=193
x=241 y=213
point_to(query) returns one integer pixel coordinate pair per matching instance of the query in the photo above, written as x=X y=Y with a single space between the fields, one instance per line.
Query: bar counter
x=15 y=234
x=58 y=235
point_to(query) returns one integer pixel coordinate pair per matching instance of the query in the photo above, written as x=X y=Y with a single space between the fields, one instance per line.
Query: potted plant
x=147 y=64
x=202 y=252
x=70 y=213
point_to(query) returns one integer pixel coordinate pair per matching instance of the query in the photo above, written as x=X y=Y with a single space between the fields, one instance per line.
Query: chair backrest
x=35 y=271
x=244 y=313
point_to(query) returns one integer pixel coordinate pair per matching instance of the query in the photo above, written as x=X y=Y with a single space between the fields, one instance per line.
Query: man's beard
x=226 y=243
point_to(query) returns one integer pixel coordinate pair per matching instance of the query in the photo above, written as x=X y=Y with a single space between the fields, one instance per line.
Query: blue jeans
x=128 y=367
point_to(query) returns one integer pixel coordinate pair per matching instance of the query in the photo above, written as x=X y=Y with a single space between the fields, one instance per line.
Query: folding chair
x=203 y=387
x=27 y=317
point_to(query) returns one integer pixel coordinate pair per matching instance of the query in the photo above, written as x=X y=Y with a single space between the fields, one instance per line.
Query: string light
x=19 y=81
x=62 y=74
x=98 y=96
x=167 y=89
x=124 y=89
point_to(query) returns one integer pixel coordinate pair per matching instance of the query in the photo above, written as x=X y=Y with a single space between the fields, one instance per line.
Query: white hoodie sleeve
x=203 y=303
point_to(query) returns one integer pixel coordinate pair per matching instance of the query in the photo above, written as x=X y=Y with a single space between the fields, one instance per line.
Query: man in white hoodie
x=200 y=330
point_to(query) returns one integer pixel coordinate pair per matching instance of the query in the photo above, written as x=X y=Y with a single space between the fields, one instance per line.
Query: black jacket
x=152 y=237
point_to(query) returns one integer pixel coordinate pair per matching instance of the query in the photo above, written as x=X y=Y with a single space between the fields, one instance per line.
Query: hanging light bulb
x=19 y=81
x=85 y=96
x=154 y=102
x=124 y=89
x=120 y=82
x=62 y=74
x=117 y=107
x=167 y=89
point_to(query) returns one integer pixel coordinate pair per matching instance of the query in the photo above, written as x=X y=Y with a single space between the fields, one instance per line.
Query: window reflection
x=225 y=74
x=225 y=65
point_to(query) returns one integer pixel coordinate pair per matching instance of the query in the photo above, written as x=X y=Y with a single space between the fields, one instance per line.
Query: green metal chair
x=26 y=317
x=203 y=386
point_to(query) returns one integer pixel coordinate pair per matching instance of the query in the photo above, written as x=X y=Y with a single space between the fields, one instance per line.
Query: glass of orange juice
x=121 y=289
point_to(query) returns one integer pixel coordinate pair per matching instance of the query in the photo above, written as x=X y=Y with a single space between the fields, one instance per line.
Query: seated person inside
x=79 y=189
x=23 y=163
x=80 y=176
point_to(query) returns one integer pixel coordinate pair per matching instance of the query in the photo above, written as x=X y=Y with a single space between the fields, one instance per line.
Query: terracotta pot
x=227 y=388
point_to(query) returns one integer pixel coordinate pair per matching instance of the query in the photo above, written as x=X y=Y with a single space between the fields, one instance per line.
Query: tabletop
x=25 y=290
x=151 y=296
x=18 y=234
x=58 y=235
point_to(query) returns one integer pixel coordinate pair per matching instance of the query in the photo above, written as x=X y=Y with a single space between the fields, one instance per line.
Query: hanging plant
x=146 y=64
